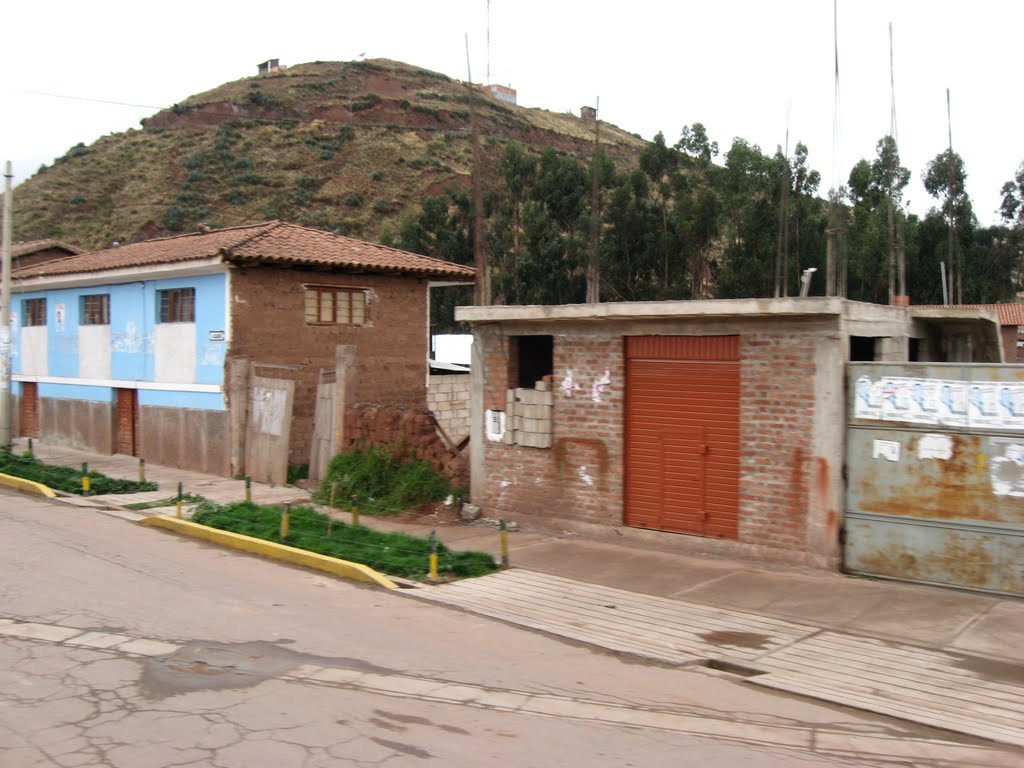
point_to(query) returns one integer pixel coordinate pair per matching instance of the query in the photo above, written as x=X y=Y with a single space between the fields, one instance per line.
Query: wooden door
x=128 y=438
x=30 y=409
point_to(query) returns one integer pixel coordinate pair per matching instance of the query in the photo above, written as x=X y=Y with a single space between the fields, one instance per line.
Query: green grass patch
x=67 y=479
x=396 y=554
x=380 y=482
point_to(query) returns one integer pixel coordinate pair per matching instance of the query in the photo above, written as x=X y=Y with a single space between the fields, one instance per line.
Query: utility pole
x=5 y=318
x=482 y=292
x=594 y=262
x=955 y=268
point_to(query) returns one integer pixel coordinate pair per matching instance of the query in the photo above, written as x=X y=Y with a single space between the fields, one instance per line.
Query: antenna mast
x=835 y=253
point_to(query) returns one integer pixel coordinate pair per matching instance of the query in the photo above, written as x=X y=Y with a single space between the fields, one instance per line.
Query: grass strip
x=67 y=479
x=396 y=554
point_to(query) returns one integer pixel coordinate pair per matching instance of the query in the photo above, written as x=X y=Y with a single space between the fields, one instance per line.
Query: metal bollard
x=30 y=446
x=178 y=504
x=85 y=479
x=284 y=521
x=433 y=556
x=142 y=470
x=355 y=510
x=503 y=533
x=248 y=488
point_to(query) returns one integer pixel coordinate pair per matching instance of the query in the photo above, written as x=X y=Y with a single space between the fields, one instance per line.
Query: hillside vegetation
x=382 y=151
x=351 y=147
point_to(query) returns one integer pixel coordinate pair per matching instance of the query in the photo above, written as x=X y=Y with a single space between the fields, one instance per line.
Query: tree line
x=682 y=225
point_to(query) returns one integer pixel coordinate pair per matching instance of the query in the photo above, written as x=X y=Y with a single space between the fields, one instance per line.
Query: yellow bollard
x=504 y=543
x=248 y=488
x=85 y=479
x=433 y=557
x=355 y=511
x=284 y=521
x=178 y=505
x=142 y=470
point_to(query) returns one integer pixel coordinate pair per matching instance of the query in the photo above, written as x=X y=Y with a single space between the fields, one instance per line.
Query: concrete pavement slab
x=998 y=632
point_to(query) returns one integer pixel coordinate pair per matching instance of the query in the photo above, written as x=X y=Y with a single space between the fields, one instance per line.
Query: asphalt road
x=126 y=646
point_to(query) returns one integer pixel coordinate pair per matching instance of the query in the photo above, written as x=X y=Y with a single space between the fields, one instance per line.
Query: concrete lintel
x=636 y=310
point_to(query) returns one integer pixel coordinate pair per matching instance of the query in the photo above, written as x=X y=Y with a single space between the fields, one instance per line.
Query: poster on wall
x=941 y=402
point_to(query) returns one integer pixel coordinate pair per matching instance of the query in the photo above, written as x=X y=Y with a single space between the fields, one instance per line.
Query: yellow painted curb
x=343 y=568
x=26 y=486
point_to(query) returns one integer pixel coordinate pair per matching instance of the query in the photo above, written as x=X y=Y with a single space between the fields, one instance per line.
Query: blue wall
x=133 y=316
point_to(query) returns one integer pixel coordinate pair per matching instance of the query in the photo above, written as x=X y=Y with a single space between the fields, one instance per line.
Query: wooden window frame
x=33 y=312
x=176 y=305
x=94 y=309
x=354 y=312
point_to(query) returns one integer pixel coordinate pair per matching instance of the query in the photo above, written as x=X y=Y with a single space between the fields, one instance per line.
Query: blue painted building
x=128 y=349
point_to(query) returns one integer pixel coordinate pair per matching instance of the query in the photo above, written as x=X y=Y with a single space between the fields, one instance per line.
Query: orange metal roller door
x=682 y=434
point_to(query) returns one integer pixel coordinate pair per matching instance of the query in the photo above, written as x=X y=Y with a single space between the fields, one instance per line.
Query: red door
x=29 y=409
x=128 y=421
x=682 y=434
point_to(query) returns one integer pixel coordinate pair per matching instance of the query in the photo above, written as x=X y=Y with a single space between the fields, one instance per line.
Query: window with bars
x=95 y=309
x=176 y=305
x=33 y=312
x=329 y=305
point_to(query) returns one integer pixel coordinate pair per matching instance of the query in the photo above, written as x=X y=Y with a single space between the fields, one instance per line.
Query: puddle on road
x=204 y=666
x=753 y=640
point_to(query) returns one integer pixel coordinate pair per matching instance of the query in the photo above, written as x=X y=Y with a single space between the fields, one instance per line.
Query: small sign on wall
x=59 y=314
x=217 y=336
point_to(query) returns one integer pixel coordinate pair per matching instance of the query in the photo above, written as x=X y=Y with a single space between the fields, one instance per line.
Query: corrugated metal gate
x=682 y=434
x=935 y=463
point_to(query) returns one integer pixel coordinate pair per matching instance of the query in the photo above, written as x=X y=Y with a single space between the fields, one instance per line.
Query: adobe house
x=211 y=351
x=723 y=420
x=39 y=251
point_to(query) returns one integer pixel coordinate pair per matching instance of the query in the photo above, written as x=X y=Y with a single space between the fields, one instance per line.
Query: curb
x=26 y=486
x=293 y=555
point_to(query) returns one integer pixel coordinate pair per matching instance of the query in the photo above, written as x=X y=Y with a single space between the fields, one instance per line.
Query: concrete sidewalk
x=946 y=658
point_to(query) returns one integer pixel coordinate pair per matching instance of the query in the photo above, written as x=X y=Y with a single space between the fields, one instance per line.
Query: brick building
x=723 y=420
x=189 y=350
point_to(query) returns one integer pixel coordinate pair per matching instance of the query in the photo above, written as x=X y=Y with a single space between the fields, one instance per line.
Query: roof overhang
x=207 y=266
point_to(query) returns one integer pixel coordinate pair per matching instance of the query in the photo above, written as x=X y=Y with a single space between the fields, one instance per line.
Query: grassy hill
x=346 y=146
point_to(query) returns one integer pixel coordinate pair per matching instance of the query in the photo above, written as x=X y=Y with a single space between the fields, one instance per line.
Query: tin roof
x=274 y=242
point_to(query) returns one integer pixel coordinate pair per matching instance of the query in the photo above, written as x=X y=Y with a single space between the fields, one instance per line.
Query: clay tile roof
x=1008 y=314
x=272 y=241
x=34 y=246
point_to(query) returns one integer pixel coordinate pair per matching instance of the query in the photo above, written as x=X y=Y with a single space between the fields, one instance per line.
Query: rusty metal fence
x=935 y=473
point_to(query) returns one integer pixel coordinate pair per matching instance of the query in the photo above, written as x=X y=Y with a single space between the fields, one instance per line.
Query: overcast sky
x=738 y=66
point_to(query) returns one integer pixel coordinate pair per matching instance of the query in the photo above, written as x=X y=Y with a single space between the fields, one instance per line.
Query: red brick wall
x=268 y=326
x=785 y=512
x=776 y=438
x=580 y=476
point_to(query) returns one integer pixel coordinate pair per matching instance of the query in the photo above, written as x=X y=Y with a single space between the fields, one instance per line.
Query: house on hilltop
x=39 y=251
x=233 y=351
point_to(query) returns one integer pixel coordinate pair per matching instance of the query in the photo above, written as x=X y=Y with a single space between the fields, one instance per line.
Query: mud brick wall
x=407 y=431
x=268 y=326
x=448 y=398
x=185 y=438
x=82 y=424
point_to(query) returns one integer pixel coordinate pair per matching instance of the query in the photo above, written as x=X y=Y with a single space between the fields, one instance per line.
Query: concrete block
x=543 y=386
x=469 y=512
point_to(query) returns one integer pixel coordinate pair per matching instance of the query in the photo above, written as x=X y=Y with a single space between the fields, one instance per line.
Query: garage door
x=682 y=434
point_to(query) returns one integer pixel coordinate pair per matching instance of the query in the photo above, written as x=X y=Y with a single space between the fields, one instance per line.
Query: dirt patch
x=736 y=639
